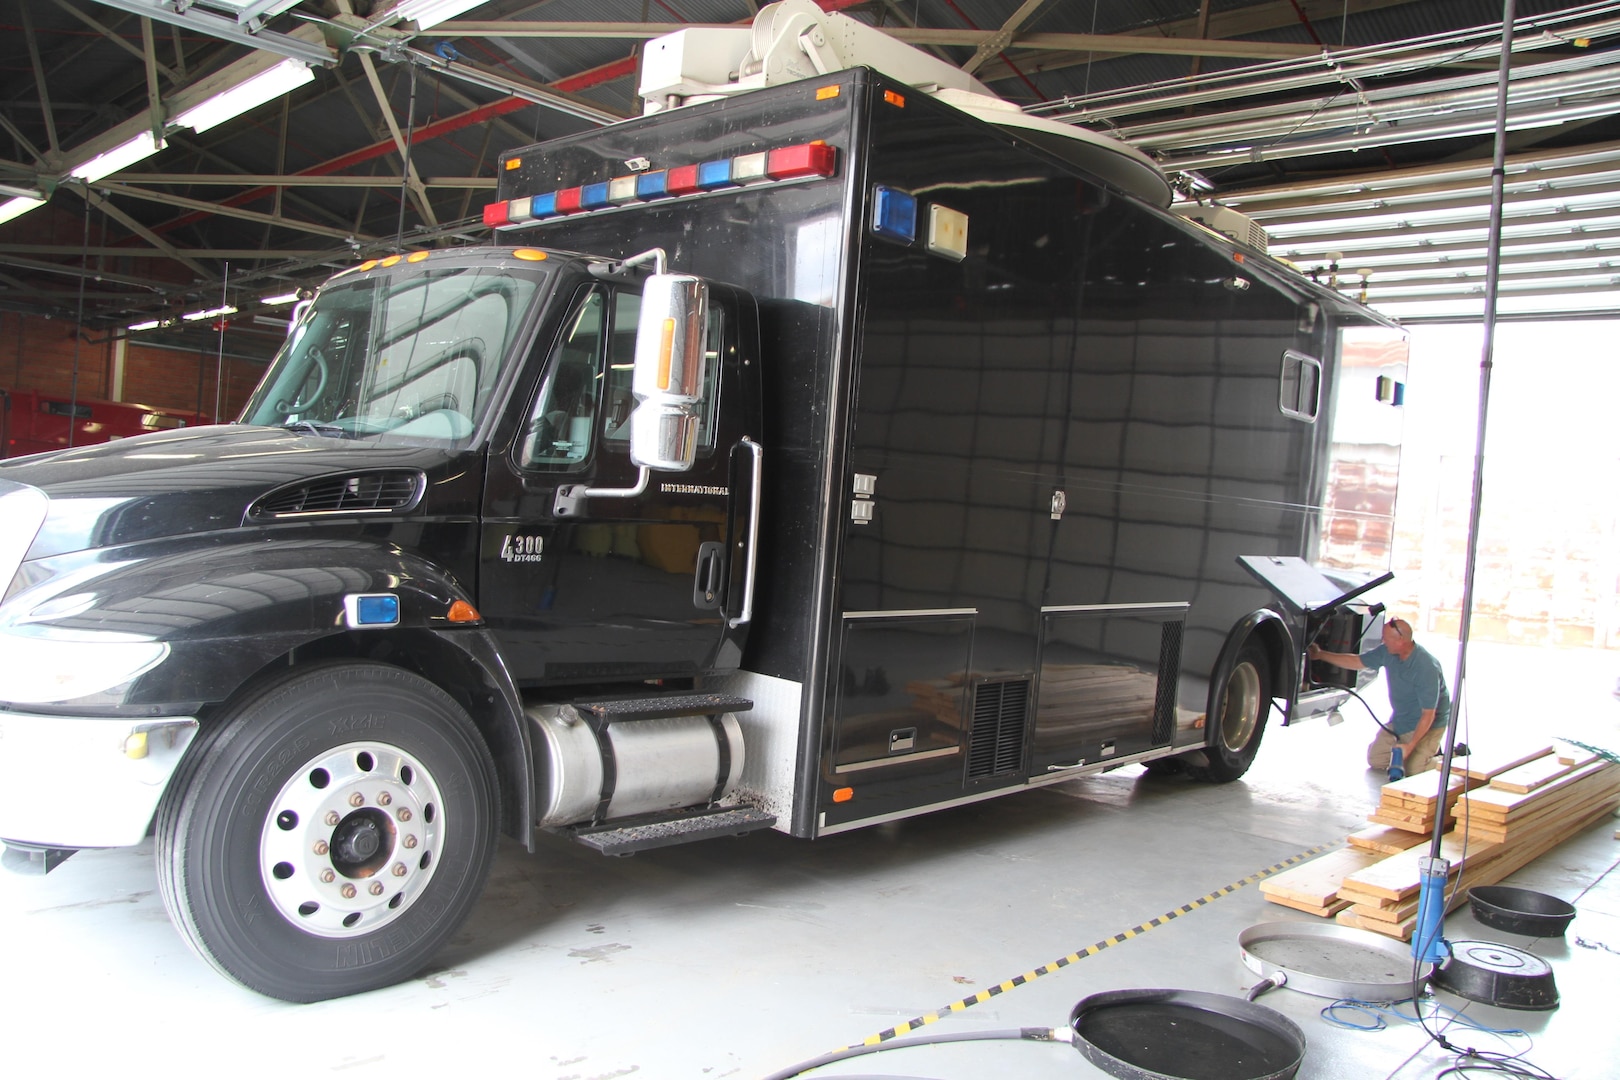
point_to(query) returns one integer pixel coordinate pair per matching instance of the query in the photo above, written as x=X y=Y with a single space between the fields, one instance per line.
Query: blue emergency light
x=894 y=214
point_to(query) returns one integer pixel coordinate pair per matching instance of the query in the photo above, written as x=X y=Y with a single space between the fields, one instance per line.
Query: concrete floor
x=740 y=957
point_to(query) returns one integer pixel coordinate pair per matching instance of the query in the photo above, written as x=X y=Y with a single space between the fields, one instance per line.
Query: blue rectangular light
x=543 y=205
x=371 y=609
x=894 y=214
x=652 y=185
x=714 y=174
x=593 y=196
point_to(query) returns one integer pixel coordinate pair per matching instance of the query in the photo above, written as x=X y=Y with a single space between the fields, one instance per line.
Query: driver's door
x=623 y=586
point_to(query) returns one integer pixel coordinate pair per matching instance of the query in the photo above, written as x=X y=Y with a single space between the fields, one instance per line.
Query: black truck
x=826 y=456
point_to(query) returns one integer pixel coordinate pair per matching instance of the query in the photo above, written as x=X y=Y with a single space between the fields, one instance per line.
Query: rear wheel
x=1238 y=717
x=330 y=833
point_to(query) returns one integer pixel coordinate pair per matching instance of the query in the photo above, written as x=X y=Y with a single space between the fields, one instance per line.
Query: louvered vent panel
x=996 y=745
x=395 y=490
x=1164 y=705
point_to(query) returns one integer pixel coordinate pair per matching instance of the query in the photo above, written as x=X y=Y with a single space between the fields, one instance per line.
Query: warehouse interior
x=152 y=253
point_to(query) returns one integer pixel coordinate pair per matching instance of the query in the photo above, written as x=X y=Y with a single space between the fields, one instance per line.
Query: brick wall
x=39 y=354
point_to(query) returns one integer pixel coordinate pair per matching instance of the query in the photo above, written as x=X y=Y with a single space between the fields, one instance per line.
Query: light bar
x=275 y=301
x=249 y=94
x=151 y=324
x=17 y=207
x=430 y=13
x=803 y=162
x=197 y=316
x=119 y=157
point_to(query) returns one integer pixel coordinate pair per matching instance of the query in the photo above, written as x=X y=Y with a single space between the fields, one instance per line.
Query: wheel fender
x=1271 y=629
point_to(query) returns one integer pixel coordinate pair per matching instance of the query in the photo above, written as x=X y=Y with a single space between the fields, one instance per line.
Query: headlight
x=44 y=667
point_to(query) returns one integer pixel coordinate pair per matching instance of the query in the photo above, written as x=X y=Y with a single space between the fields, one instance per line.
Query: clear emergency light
x=784 y=164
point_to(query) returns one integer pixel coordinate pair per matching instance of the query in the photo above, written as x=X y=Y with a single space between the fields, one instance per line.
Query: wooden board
x=1505 y=805
x=1422 y=789
x=1397 y=877
x=1385 y=839
x=1316 y=883
x=1534 y=774
x=1324 y=912
x=1485 y=762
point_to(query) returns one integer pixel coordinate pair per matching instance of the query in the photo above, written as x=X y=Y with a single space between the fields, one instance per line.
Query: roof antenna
x=405 y=172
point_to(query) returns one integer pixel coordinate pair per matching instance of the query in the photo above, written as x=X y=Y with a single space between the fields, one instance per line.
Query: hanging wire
x=405 y=172
x=78 y=321
x=219 y=370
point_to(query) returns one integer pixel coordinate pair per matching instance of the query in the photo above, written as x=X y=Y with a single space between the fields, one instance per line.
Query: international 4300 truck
x=807 y=457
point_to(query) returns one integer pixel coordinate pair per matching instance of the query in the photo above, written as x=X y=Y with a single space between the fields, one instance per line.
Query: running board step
x=629 y=839
x=602 y=713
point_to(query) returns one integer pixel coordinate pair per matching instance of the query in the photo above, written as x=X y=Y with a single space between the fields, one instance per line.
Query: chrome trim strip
x=758 y=453
x=909 y=613
x=878 y=763
x=832 y=830
x=1183 y=604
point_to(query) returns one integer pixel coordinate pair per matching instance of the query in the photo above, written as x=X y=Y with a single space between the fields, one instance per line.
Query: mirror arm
x=570 y=496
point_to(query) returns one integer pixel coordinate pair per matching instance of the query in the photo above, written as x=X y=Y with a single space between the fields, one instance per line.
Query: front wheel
x=330 y=833
x=1238 y=717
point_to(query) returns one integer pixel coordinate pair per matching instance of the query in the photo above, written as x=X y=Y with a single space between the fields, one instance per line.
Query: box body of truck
x=983 y=466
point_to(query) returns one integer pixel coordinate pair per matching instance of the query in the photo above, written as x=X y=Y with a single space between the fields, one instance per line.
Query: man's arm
x=1425 y=722
x=1337 y=659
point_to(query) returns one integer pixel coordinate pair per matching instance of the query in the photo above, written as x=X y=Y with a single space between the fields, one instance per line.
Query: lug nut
x=403 y=813
x=328 y=877
x=357 y=799
x=332 y=817
x=409 y=841
x=384 y=799
x=321 y=848
x=399 y=869
x=348 y=892
x=375 y=888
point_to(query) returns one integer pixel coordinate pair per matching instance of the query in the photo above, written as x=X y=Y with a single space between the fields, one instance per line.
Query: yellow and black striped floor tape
x=1090 y=950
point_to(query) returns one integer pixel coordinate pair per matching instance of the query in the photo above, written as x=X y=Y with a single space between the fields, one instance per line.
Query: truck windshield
x=414 y=355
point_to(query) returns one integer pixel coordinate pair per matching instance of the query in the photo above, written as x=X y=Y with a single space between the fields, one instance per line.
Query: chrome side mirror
x=669 y=372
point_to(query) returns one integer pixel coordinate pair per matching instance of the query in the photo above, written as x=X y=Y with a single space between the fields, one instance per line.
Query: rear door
x=623 y=585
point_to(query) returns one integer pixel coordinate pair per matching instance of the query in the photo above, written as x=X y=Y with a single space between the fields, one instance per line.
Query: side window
x=558 y=432
x=621 y=364
x=1300 y=393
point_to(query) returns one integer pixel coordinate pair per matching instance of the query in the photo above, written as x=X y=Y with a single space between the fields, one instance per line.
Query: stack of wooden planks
x=1501 y=813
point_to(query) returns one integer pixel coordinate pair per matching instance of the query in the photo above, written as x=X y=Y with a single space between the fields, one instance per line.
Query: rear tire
x=1238 y=717
x=329 y=833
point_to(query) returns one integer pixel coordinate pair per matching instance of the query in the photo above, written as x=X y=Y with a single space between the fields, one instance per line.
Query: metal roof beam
x=184 y=14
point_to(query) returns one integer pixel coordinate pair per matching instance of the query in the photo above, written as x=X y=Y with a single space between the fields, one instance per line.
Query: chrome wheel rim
x=351 y=840
x=1240 y=707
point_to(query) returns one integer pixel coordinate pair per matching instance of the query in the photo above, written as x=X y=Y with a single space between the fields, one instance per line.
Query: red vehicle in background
x=32 y=422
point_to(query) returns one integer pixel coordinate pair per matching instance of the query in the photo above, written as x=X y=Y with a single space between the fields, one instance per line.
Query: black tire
x=355 y=779
x=1237 y=717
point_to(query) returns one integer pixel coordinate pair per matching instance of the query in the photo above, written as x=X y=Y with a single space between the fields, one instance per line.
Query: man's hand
x=1314 y=651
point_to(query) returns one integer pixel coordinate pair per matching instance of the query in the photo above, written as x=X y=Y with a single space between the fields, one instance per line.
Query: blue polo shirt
x=1415 y=684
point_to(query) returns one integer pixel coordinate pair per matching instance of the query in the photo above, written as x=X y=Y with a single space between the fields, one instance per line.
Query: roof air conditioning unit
x=1226 y=221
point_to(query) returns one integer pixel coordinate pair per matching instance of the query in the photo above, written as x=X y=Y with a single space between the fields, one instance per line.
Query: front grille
x=389 y=491
x=996 y=745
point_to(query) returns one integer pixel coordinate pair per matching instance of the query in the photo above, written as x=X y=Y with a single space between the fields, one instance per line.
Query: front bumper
x=78 y=781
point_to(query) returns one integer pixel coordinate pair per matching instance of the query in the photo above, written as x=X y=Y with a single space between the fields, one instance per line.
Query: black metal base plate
x=629 y=838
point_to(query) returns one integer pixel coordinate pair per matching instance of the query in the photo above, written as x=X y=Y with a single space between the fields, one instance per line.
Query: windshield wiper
x=331 y=431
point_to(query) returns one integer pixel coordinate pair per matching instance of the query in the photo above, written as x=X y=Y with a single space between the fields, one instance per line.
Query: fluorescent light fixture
x=430 y=13
x=17 y=207
x=151 y=325
x=119 y=157
x=196 y=316
x=284 y=298
x=248 y=94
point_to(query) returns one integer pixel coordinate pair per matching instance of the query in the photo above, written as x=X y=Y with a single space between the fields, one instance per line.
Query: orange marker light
x=417 y=256
x=826 y=93
x=1237 y=256
x=897 y=100
x=512 y=163
x=368 y=264
x=529 y=254
x=390 y=261
x=844 y=794
x=666 y=345
x=461 y=611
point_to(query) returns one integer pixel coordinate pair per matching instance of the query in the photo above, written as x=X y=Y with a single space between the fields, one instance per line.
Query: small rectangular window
x=1300 y=394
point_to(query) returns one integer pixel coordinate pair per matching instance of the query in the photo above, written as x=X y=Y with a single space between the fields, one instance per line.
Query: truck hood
x=192 y=480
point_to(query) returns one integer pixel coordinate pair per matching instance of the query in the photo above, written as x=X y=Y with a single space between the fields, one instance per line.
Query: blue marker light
x=371 y=609
x=593 y=196
x=894 y=214
x=714 y=174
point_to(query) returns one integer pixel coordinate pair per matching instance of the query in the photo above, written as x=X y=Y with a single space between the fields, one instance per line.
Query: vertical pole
x=1427 y=943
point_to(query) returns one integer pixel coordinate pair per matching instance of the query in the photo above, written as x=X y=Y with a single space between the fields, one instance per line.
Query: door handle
x=711 y=564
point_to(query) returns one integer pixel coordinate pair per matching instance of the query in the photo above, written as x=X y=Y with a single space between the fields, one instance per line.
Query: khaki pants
x=1421 y=760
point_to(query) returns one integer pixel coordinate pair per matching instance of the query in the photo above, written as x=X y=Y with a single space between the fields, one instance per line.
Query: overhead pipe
x=1331 y=66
